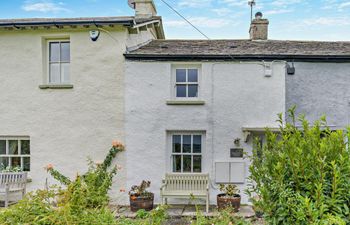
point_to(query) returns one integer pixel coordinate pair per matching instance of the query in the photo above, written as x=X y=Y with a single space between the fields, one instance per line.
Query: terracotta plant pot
x=141 y=202
x=223 y=201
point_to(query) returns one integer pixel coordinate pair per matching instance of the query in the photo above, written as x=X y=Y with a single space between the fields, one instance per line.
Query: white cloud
x=222 y=11
x=43 y=6
x=236 y=3
x=344 y=5
x=204 y=22
x=277 y=11
x=285 y=3
x=327 y=21
x=194 y=3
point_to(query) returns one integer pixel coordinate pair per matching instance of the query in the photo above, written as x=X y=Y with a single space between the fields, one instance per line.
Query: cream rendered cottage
x=61 y=89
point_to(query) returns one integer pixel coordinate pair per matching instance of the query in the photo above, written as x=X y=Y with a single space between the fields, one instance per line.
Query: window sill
x=185 y=102
x=56 y=86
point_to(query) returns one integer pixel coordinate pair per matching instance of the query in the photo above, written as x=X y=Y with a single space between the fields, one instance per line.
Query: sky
x=327 y=20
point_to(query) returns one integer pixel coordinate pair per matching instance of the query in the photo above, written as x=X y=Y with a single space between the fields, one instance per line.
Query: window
x=59 y=62
x=186 y=153
x=15 y=152
x=186 y=82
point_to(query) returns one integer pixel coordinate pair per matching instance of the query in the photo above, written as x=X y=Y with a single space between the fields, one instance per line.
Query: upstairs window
x=186 y=82
x=15 y=152
x=59 y=62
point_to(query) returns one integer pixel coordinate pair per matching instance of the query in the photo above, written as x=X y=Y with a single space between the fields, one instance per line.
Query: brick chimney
x=144 y=9
x=259 y=28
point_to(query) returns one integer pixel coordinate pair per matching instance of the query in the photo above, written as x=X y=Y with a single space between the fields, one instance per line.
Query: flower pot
x=224 y=201
x=141 y=202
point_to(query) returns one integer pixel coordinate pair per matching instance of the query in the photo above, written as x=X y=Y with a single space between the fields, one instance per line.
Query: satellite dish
x=131 y=3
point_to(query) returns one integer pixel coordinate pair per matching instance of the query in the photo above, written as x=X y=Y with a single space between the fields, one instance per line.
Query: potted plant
x=140 y=198
x=259 y=213
x=229 y=197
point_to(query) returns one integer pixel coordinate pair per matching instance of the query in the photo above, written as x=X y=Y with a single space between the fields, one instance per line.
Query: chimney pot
x=259 y=28
x=144 y=9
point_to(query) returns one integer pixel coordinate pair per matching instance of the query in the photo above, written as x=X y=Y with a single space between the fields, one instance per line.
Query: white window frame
x=174 y=83
x=48 y=62
x=171 y=153
x=20 y=155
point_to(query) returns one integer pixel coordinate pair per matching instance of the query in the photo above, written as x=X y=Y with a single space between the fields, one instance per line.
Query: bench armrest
x=164 y=183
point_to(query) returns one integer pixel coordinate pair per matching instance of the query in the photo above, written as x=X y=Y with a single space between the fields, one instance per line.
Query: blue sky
x=219 y=19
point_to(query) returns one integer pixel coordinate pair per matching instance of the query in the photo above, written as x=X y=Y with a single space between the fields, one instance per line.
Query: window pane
x=187 y=163
x=65 y=52
x=55 y=76
x=13 y=147
x=192 y=75
x=177 y=163
x=2 y=147
x=186 y=144
x=26 y=164
x=177 y=143
x=193 y=90
x=197 y=164
x=54 y=52
x=4 y=162
x=180 y=75
x=180 y=91
x=15 y=162
x=197 y=143
x=65 y=70
x=25 y=147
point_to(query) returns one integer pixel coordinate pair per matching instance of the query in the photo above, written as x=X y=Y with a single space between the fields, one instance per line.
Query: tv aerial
x=251 y=3
x=131 y=3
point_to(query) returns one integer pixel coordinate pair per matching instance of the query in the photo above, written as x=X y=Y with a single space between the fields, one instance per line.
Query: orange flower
x=122 y=190
x=133 y=197
x=117 y=144
x=48 y=167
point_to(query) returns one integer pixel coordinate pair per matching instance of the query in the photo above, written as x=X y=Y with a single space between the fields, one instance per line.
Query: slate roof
x=241 y=49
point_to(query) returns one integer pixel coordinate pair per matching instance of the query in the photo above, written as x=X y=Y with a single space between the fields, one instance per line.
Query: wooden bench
x=185 y=185
x=11 y=183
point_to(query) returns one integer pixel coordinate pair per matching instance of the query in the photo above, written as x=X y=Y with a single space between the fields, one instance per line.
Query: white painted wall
x=65 y=126
x=235 y=95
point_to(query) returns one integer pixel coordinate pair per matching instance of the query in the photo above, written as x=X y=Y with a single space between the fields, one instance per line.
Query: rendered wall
x=65 y=126
x=235 y=94
x=320 y=89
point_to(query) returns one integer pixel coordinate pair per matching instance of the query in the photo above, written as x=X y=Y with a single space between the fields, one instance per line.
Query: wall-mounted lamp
x=94 y=34
x=290 y=69
x=237 y=141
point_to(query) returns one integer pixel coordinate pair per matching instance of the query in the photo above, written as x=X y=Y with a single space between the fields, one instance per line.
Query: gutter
x=301 y=58
x=62 y=23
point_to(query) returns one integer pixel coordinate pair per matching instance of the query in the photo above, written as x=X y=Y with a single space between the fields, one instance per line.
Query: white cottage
x=192 y=107
x=62 y=89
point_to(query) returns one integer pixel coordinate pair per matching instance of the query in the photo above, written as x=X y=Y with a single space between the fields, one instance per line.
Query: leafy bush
x=157 y=216
x=302 y=176
x=83 y=201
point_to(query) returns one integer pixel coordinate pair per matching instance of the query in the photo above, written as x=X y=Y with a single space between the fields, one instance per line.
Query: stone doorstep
x=179 y=211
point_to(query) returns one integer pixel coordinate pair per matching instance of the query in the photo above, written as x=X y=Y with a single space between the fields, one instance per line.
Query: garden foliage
x=302 y=175
x=83 y=200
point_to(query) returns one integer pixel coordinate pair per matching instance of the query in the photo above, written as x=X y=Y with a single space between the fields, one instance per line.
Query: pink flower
x=122 y=190
x=98 y=162
x=48 y=167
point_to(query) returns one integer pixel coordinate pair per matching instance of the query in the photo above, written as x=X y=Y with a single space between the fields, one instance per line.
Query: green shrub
x=83 y=201
x=302 y=175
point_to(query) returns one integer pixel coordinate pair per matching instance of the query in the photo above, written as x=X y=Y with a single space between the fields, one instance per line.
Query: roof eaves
x=227 y=57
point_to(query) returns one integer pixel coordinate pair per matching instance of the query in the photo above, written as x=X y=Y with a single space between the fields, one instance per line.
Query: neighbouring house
x=192 y=106
x=62 y=89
